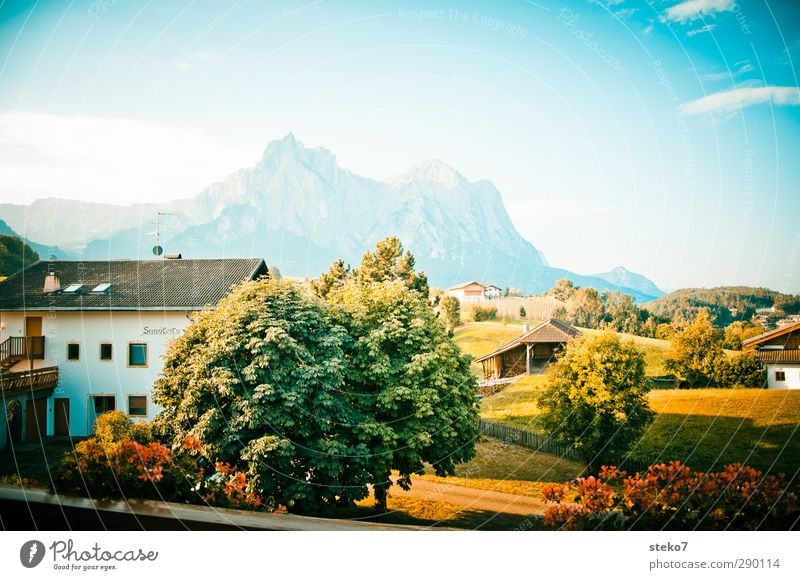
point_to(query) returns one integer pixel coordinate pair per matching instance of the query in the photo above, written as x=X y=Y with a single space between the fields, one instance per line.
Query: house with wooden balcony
x=79 y=338
x=779 y=351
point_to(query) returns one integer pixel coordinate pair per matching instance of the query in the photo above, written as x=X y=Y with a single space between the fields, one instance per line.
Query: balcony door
x=33 y=330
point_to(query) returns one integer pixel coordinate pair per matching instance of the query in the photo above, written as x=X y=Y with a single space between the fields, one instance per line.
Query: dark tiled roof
x=553 y=330
x=781 y=330
x=135 y=284
x=778 y=356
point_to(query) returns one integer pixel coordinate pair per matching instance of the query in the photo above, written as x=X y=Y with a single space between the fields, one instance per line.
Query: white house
x=80 y=338
x=474 y=291
x=779 y=350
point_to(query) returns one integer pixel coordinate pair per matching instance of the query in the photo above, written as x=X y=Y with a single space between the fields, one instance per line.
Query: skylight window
x=101 y=287
x=72 y=288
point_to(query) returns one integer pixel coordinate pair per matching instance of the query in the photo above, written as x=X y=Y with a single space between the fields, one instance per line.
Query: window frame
x=146 y=354
x=100 y=351
x=780 y=376
x=146 y=405
x=93 y=397
x=76 y=344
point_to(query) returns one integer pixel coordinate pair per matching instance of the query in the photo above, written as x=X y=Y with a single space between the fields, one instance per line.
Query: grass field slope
x=705 y=428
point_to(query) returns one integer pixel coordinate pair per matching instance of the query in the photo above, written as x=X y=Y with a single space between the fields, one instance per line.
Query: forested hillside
x=726 y=303
x=15 y=255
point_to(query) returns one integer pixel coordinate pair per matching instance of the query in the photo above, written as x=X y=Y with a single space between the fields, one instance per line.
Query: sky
x=663 y=136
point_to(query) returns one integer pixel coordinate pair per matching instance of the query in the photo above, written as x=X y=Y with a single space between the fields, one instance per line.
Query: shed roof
x=134 y=284
x=778 y=356
x=552 y=330
x=465 y=284
x=780 y=331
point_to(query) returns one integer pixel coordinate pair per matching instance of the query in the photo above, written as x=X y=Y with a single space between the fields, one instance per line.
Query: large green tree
x=696 y=353
x=390 y=261
x=412 y=386
x=595 y=398
x=315 y=399
x=260 y=380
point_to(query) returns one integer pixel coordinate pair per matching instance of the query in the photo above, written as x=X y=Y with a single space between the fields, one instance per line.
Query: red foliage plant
x=129 y=469
x=673 y=496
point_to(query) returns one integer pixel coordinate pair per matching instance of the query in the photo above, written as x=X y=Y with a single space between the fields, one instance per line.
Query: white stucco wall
x=79 y=380
x=792 y=372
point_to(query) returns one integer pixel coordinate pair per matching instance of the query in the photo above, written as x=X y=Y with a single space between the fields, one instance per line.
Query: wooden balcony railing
x=34 y=380
x=17 y=348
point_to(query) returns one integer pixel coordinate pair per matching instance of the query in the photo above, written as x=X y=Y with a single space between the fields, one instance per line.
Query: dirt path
x=477 y=499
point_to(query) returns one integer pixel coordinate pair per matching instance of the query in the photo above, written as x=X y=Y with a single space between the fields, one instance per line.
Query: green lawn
x=508 y=468
x=515 y=404
x=705 y=428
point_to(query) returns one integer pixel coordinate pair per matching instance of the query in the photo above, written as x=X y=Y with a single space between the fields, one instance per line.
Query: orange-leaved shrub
x=673 y=497
x=124 y=461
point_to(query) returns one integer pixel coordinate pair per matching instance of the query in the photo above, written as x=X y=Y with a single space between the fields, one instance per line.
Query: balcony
x=28 y=381
x=17 y=348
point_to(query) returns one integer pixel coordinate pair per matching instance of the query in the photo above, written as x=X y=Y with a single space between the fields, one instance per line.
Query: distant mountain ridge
x=300 y=210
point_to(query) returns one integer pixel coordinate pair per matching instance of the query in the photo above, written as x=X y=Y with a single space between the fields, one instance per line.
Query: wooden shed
x=528 y=353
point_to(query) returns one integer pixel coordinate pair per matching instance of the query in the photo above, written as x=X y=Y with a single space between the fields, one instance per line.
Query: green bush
x=112 y=427
x=481 y=313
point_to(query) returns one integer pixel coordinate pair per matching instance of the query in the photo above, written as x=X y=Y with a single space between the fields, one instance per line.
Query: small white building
x=474 y=291
x=492 y=292
x=78 y=338
x=779 y=350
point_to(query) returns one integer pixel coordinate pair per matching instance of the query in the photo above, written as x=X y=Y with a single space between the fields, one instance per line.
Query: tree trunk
x=381 y=491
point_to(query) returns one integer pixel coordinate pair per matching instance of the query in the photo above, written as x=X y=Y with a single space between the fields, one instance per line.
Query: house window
x=103 y=404
x=137 y=354
x=780 y=376
x=137 y=406
x=73 y=351
x=106 y=351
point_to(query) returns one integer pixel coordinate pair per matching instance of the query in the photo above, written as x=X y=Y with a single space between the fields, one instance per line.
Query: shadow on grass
x=707 y=443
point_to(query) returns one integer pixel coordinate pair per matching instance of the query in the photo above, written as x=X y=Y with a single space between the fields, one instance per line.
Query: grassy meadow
x=705 y=428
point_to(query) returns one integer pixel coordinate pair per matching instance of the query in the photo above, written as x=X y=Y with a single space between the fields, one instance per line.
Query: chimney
x=51 y=283
x=526 y=328
x=173 y=256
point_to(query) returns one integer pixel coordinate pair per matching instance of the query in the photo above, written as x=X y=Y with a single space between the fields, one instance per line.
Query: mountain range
x=300 y=210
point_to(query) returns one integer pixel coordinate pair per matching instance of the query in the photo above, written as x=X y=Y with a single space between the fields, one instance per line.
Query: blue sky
x=662 y=136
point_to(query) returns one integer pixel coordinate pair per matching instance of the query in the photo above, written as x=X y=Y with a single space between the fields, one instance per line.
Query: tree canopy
x=15 y=255
x=595 y=397
x=315 y=399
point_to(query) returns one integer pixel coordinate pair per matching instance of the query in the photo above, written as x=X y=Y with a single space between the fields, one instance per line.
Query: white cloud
x=107 y=159
x=744 y=68
x=736 y=99
x=702 y=29
x=694 y=9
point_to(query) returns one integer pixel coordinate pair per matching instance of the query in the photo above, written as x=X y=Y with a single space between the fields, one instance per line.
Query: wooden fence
x=536 y=307
x=544 y=444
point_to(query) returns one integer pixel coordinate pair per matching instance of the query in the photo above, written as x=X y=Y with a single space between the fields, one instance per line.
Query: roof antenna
x=157 y=249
